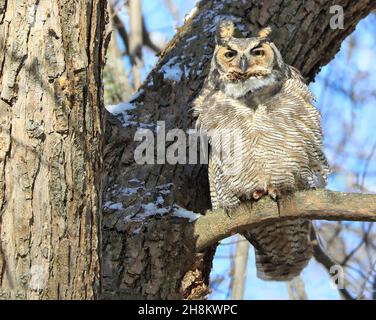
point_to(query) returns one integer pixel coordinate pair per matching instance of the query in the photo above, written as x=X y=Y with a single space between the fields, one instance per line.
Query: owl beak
x=243 y=64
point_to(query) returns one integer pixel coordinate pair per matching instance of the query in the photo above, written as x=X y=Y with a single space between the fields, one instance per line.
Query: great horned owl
x=251 y=90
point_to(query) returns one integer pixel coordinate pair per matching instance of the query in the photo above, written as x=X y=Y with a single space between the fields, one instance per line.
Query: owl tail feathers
x=283 y=248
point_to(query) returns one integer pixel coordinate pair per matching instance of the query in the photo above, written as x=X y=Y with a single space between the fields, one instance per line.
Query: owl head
x=243 y=65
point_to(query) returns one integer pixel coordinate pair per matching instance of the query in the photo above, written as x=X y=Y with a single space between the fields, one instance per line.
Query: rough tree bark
x=147 y=256
x=51 y=53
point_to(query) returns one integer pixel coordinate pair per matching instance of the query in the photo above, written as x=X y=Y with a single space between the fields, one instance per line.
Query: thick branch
x=315 y=205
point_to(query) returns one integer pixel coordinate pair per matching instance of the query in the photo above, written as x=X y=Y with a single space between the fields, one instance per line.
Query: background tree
x=51 y=137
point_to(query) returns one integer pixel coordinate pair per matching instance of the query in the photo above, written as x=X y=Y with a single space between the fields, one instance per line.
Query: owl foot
x=274 y=193
x=227 y=211
x=258 y=194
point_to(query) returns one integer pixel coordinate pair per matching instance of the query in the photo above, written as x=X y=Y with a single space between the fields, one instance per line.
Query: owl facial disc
x=245 y=65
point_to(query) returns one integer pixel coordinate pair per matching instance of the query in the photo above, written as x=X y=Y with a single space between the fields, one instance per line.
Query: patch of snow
x=151 y=209
x=191 y=39
x=122 y=109
x=191 y=14
x=116 y=109
x=150 y=82
x=136 y=95
x=146 y=125
x=113 y=205
x=164 y=188
x=160 y=200
x=171 y=70
x=129 y=191
x=184 y=213
x=186 y=72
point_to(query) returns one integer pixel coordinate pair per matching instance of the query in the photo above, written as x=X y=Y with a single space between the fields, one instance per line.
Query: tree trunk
x=239 y=269
x=115 y=77
x=135 y=40
x=51 y=53
x=146 y=256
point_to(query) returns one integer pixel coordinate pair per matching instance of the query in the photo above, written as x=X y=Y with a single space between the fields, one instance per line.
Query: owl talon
x=227 y=211
x=274 y=193
x=258 y=194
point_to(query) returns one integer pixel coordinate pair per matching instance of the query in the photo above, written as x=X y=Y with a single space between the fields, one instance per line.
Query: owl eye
x=258 y=52
x=230 y=54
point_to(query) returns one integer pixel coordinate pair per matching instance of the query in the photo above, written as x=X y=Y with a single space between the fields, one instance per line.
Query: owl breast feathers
x=265 y=139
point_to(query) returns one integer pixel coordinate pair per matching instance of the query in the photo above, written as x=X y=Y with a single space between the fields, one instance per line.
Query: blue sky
x=351 y=69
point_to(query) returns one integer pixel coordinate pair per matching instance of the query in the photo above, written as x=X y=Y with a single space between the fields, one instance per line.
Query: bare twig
x=174 y=10
x=368 y=159
x=119 y=25
x=146 y=38
x=354 y=250
x=323 y=258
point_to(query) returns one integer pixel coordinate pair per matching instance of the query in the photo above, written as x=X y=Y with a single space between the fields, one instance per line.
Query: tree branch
x=118 y=24
x=314 y=205
x=146 y=39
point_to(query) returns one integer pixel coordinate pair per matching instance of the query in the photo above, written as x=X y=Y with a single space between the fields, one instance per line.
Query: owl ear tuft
x=263 y=33
x=225 y=31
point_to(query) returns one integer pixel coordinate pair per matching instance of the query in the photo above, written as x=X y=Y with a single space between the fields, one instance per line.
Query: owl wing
x=219 y=196
x=299 y=119
x=222 y=186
